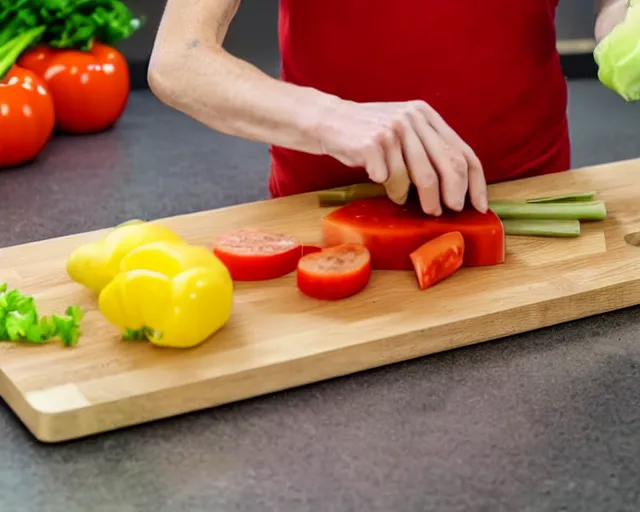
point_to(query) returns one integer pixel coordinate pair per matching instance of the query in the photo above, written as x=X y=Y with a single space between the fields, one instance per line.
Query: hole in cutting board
x=633 y=239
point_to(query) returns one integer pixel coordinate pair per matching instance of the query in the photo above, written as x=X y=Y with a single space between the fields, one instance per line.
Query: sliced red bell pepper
x=392 y=232
x=334 y=273
x=258 y=255
x=438 y=258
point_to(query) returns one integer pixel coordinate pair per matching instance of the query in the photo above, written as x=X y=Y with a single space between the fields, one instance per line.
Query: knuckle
x=400 y=123
x=407 y=114
x=458 y=163
x=385 y=136
x=426 y=179
x=369 y=146
x=418 y=106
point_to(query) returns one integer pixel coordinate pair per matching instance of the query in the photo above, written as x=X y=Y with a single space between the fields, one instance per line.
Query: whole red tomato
x=90 y=89
x=27 y=117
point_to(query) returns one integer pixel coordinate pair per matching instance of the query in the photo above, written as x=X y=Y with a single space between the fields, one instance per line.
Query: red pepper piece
x=392 y=232
x=438 y=259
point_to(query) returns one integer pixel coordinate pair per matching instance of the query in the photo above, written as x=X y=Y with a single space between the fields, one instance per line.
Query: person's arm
x=191 y=72
x=398 y=143
x=609 y=13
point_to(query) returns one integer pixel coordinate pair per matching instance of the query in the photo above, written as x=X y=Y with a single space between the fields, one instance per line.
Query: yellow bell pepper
x=172 y=294
x=93 y=265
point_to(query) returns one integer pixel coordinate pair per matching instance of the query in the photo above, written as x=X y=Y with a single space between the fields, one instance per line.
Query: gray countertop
x=545 y=421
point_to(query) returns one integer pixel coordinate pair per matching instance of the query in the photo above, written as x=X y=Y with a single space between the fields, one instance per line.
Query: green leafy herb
x=20 y=321
x=69 y=23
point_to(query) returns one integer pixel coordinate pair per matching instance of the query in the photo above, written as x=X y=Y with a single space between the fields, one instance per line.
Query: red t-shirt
x=489 y=67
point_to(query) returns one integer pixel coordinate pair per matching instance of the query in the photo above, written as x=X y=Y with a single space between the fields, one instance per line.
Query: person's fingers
x=398 y=182
x=375 y=163
x=421 y=171
x=475 y=171
x=450 y=165
x=477 y=183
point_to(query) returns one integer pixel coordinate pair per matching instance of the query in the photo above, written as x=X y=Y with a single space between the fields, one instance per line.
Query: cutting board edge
x=52 y=428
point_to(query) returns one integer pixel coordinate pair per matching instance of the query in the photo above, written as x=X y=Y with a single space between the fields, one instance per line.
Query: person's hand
x=610 y=14
x=405 y=142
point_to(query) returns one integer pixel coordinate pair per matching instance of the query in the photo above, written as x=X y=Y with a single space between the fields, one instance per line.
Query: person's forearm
x=190 y=71
x=608 y=14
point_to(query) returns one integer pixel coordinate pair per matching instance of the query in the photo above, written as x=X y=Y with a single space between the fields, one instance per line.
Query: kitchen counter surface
x=544 y=421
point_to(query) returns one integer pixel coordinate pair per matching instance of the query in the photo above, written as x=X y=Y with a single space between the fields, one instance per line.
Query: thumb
x=397 y=187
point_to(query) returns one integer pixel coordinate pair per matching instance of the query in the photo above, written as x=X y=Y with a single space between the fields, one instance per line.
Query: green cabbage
x=618 y=56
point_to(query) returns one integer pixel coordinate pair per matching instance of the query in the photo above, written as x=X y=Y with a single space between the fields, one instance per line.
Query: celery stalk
x=542 y=227
x=587 y=210
x=564 y=198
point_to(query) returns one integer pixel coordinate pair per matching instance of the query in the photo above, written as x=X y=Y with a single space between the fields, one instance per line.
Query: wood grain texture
x=279 y=339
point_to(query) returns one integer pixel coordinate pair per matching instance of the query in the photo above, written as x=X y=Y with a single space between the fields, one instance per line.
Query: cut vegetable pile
x=392 y=232
x=552 y=216
x=156 y=287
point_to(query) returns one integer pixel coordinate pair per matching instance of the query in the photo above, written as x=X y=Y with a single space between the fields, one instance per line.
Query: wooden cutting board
x=278 y=339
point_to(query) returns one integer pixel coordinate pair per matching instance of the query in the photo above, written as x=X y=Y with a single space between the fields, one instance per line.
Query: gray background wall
x=252 y=34
x=574 y=19
x=253 y=31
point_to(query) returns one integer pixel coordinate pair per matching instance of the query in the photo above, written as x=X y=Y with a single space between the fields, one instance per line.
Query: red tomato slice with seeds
x=438 y=258
x=334 y=273
x=257 y=255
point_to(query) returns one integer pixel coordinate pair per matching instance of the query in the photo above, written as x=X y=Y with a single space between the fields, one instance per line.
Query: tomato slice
x=438 y=259
x=392 y=232
x=335 y=272
x=257 y=255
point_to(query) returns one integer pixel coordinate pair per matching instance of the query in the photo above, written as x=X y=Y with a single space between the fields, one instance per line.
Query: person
x=448 y=96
